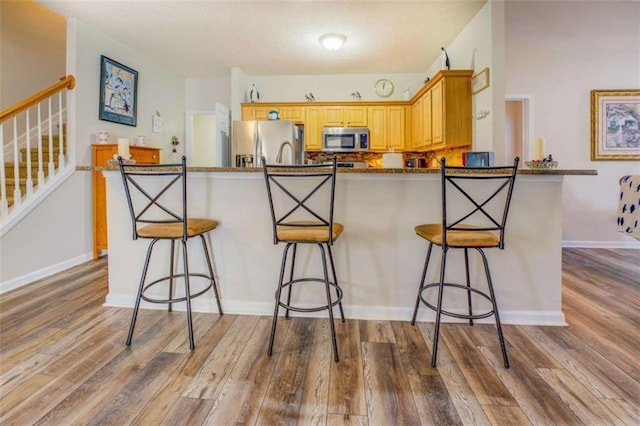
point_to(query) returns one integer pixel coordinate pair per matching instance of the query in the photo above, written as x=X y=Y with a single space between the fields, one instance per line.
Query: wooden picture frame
x=480 y=81
x=118 y=92
x=615 y=125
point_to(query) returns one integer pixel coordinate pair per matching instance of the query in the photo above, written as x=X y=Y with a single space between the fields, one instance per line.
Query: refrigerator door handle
x=258 y=151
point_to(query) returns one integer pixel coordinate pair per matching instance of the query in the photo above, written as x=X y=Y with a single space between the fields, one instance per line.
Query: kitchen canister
x=392 y=160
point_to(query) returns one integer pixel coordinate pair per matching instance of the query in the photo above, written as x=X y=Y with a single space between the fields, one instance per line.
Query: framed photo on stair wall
x=118 y=92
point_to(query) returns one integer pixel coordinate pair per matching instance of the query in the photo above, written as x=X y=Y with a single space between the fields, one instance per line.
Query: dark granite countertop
x=405 y=170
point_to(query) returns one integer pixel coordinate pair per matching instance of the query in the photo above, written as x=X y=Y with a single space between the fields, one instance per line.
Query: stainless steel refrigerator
x=279 y=141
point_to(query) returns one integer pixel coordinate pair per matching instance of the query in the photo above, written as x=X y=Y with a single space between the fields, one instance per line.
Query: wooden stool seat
x=307 y=232
x=433 y=232
x=195 y=227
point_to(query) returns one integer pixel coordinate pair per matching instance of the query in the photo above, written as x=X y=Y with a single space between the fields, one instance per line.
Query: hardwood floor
x=63 y=361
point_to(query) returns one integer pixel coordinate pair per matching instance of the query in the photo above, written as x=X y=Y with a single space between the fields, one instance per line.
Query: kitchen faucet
x=282 y=145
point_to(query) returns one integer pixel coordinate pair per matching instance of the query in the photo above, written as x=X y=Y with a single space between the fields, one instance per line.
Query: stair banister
x=15 y=205
x=67 y=82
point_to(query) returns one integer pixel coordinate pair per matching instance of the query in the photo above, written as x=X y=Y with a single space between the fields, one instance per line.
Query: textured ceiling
x=207 y=38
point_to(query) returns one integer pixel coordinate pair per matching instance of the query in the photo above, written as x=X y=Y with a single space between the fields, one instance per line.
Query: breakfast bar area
x=379 y=258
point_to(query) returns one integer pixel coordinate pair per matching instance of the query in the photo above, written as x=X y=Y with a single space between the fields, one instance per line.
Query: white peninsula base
x=379 y=259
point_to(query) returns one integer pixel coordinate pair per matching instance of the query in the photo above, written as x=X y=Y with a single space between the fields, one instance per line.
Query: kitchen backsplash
x=374 y=159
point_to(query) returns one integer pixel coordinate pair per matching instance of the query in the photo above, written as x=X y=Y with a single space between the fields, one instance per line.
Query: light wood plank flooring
x=63 y=361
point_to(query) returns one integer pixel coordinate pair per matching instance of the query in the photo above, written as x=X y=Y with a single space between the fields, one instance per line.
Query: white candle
x=123 y=148
x=538 y=149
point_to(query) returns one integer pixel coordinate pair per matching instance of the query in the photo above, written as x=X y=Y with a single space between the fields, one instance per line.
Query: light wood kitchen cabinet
x=261 y=112
x=377 y=128
x=437 y=117
x=446 y=111
x=313 y=128
x=295 y=114
x=427 y=120
x=255 y=112
x=416 y=125
x=437 y=114
x=397 y=127
x=101 y=154
x=387 y=127
x=350 y=116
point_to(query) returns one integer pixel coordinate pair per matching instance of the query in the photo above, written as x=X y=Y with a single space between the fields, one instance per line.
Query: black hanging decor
x=445 y=59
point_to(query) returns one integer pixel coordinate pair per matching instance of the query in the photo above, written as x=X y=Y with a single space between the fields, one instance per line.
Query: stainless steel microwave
x=345 y=139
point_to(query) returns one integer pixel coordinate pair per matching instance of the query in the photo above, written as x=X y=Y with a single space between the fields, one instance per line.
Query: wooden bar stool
x=301 y=200
x=152 y=191
x=480 y=226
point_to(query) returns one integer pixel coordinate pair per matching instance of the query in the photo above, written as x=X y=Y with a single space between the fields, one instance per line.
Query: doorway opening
x=518 y=126
x=207 y=138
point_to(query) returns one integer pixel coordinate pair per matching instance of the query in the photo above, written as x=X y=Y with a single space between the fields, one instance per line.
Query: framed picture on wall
x=118 y=92
x=615 y=125
x=480 y=81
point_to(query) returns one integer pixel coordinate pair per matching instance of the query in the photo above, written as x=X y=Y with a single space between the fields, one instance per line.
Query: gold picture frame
x=480 y=81
x=615 y=125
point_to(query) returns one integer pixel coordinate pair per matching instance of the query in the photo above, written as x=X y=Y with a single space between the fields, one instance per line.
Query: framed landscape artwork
x=118 y=92
x=615 y=125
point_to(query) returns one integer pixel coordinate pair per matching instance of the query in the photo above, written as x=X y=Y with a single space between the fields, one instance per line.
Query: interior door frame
x=527 y=122
x=188 y=144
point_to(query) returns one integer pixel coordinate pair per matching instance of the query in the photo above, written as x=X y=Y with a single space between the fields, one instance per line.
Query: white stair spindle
x=17 y=196
x=40 y=160
x=29 y=181
x=52 y=167
x=4 y=205
x=60 y=133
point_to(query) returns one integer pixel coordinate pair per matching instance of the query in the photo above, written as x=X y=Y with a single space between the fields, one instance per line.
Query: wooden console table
x=101 y=154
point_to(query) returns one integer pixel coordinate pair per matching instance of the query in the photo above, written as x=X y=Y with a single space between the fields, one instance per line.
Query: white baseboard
x=388 y=313
x=43 y=273
x=631 y=244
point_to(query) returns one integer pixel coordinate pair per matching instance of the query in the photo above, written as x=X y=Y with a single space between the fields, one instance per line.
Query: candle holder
x=125 y=158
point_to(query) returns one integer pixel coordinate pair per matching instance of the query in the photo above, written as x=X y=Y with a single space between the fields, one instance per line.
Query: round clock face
x=383 y=87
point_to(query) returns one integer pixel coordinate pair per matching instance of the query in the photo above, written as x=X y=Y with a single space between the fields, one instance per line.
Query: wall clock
x=383 y=88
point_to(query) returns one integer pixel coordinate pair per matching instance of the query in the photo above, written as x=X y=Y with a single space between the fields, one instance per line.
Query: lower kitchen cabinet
x=101 y=154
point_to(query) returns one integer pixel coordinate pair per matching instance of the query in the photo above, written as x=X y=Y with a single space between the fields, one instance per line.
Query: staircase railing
x=17 y=149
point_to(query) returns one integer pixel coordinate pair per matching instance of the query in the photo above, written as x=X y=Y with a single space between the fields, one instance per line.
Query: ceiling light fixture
x=333 y=41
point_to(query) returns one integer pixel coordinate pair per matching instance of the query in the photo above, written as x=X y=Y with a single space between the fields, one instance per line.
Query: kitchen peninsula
x=379 y=258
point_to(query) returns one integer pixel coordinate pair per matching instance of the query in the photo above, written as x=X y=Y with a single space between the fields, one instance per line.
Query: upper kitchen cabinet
x=313 y=128
x=293 y=113
x=416 y=125
x=388 y=127
x=446 y=111
x=253 y=111
x=349 y=116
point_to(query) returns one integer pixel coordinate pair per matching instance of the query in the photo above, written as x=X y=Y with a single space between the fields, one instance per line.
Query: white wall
x=29 y=35
x=558 y=52
x=158 y=90
x=473 y=49
x=201 y=94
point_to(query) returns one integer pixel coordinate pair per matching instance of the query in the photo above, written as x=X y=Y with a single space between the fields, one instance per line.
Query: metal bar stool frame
x=172 y=226
x=439 y=234
x=274 y=176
